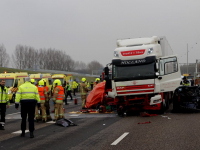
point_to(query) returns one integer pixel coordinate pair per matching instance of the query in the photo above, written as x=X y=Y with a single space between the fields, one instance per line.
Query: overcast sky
x=87 y=29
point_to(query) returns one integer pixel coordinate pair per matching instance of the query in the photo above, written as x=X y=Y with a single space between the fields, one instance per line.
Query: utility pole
x=187 y=58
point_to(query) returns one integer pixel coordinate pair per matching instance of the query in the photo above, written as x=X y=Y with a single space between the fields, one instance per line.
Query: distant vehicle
x=13 y=81
x=144 y=74
x=45 y=76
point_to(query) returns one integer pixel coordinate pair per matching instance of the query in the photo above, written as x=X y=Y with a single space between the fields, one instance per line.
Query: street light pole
x=187 y=58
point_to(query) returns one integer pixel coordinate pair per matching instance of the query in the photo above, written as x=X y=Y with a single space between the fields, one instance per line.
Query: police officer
x=58 y=97
x=27 y=95
x=75 y=85
x=84 y=90
x=185 y=82
x=4 y=100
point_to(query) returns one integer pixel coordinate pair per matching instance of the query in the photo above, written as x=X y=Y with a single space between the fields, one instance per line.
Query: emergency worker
x=33 y=81
x=58 y=97
x=88 y=84
x=43 y=98
x=75 y=86
x=91 y=85
x=96 y=82
x=84 y=90
x=4 y=100
x=47 y=105
x=28 y=96
x=68 y=91
x=185 y=82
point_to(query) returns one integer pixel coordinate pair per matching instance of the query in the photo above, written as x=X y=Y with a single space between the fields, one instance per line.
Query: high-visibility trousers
x=83 y=98
x=59 y=111
x=43 y=110
x=37 y=115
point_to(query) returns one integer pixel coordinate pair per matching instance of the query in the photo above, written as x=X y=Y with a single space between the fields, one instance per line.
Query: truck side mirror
x=106 y=70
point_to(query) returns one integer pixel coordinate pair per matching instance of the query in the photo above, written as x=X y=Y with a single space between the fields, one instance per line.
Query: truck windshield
x=9 y=82
x=136 y=72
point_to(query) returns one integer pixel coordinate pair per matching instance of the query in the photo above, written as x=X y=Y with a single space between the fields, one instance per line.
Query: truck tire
x=162 y=108
x=176 y=105
x=167 y=100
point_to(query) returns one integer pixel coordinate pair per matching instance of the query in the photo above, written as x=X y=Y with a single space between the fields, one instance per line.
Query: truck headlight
x=150 y=50
x=9 y=92
x=116 y=54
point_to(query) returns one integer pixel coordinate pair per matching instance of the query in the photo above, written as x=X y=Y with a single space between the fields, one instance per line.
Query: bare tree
x=94 y=66
x=4 y=57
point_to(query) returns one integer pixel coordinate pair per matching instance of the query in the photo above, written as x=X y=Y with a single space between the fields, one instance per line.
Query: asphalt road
x=180 y=131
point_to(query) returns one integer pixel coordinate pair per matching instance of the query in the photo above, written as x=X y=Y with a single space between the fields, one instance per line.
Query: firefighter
x=47 y=100
x=96 y=82
x=58 y=97
x=75 y=85
x=84 y=90
x=43 y=98
x=185 y=82
x=28 y=96
x=33 y=81
x=68 y=91
x=91 y=85
x=4 y=100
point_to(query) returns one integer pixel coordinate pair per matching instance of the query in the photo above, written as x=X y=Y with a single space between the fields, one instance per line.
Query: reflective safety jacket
x=27 y=92
x=83 y=88
x=68 y=87
x=88 y=84
x=186 y=83
x=4 y=95
x=58 y=94
x=42 y=93
x=75 y=85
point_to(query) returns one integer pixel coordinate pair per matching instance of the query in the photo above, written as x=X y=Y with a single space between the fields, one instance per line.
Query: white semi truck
x=144 y=74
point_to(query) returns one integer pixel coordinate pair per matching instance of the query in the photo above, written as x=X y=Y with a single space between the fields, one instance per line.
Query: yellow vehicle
x=64 y=78
x=13 y=81
x=40 y=76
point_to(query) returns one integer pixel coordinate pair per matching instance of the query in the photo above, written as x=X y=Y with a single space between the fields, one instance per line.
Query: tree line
x=27 y=57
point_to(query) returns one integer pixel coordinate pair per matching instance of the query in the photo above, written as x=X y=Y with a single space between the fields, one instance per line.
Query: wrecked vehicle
x=186 y=98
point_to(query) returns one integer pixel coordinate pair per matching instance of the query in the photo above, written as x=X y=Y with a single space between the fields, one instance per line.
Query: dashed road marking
x=50 y=122
x=120 y=138
x=20 y=131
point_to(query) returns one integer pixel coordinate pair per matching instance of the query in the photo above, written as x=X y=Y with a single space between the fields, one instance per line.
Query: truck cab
x=144 y=73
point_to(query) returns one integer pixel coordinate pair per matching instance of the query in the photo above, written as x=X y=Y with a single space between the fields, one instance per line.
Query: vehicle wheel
x=167 y=101
x=162 y=108
x=176 y=105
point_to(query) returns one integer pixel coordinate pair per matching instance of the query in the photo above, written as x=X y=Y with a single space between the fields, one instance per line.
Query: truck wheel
x=162 y=108
x=176 y=105
x=167 y=101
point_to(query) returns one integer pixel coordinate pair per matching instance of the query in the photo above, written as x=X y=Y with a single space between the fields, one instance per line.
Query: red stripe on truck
x=134 y=92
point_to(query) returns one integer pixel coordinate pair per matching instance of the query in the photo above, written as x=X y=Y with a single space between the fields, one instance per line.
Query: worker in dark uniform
x=27 y=95
x=185 y=82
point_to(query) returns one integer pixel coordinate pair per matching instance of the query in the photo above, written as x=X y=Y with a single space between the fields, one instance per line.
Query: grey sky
x=87 y=29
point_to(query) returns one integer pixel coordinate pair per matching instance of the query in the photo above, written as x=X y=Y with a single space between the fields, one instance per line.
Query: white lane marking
x=51 y=122
x=74 y=115
x=120 y=138
x=14 y=113
x=20 y=131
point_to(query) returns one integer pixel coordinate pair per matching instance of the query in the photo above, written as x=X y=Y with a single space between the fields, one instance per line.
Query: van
x=13 y=81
